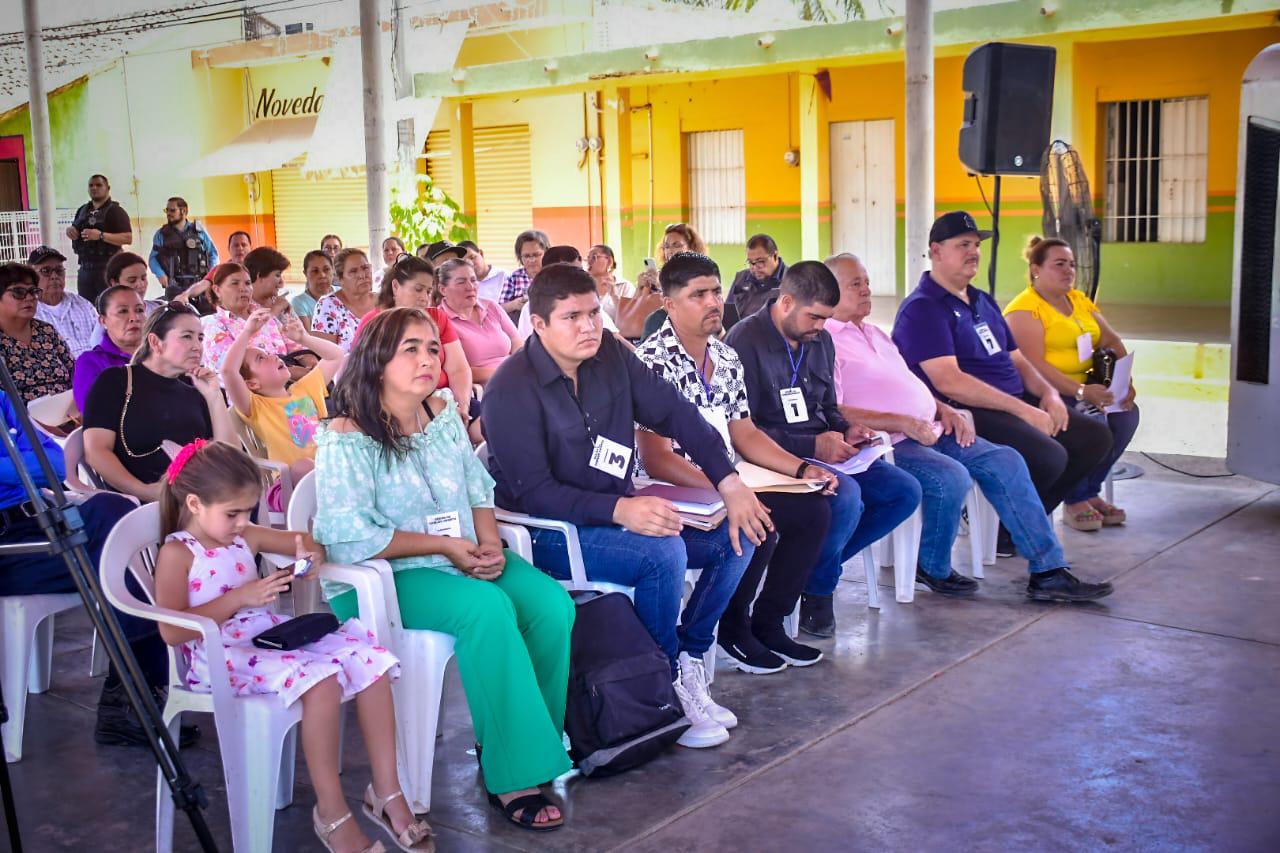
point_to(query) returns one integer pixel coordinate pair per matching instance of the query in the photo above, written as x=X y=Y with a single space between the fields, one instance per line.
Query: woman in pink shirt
x=488 y=336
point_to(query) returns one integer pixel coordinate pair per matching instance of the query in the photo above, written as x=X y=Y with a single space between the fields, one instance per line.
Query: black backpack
x=622 y=709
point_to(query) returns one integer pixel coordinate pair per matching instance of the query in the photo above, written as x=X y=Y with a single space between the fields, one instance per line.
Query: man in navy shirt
x=954 y=337
x=789 y=362
x=759 y=282
x=560 y=417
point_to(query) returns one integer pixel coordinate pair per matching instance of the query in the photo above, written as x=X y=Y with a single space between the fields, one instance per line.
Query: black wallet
x=297 y=632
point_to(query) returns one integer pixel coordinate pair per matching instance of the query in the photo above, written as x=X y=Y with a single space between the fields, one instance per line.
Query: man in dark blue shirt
x=560 y=418
x=759 y=282
x=955 y=338
x=790 y=365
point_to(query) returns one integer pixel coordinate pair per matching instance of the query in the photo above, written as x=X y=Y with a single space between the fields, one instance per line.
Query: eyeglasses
x=52 y=272
x=759 y=263
x=20 y=293
x=674 y=247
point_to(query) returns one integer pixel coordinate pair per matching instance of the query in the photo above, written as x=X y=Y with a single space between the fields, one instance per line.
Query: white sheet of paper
x=1120 y=380
x=860 y=461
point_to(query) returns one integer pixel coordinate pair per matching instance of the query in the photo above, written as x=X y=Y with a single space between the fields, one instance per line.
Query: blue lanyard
x=702 y=373
x=795 y=361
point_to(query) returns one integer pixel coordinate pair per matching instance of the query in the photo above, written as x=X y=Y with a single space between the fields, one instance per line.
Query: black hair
x=159 y=324
x=331 y=237
x=555 y=282
x=120 y=262
x=808 y=282
x=15 y=273
x=763 y=241
x=312 y=255
x=105 y=297
x=404 y=269
x=235 y=234
x=104 y=179
x=178 y=200
x=470 y=244
x=684 y=266
x=263 y=261
x=605 y=250
x=561 y=255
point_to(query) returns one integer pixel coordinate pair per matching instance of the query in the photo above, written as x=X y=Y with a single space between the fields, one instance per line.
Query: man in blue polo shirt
x=954 y=337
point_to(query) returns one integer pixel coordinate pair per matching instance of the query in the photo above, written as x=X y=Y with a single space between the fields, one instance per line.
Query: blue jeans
x=1122 y=425
x=865 y=508
x=944 y=471
x=655 y=568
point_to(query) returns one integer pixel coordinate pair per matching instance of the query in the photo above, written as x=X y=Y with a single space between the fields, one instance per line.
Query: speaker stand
x=995 y=238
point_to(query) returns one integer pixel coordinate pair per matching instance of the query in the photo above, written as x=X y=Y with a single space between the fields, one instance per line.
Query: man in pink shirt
x=936 y=444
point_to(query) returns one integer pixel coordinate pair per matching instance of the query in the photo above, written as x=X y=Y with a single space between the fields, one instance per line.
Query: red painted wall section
x=578 y=226
x=261 y=229
x=14 y=148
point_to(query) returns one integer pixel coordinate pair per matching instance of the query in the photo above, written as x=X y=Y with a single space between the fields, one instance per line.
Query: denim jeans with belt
x=865 y=508
x=655 y=567
x=944 y=471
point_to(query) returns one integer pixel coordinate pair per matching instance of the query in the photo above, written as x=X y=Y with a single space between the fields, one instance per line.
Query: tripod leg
x=6 y=791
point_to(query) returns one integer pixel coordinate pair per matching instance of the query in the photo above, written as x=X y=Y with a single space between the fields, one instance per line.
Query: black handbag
x=1104 y=367
x=297 y=632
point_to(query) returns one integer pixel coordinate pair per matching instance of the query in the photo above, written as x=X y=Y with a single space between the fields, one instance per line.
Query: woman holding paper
x=1058 y=328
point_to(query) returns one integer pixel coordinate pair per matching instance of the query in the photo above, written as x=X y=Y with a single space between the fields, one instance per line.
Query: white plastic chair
x=275 y=470
x=52 y=410
x=26 y=654
x=256 y=736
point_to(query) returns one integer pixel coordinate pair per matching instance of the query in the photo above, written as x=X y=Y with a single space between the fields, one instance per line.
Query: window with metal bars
x=718 y=186
x=1157 y=160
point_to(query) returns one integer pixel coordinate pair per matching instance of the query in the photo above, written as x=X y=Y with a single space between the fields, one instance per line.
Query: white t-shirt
x=490 y=286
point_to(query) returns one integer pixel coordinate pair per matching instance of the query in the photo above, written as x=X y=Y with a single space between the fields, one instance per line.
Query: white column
x=919 y=137
x=41 y=141
x=375 y=125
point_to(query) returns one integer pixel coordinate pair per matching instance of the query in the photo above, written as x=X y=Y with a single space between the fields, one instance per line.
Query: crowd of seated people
x=386 y=383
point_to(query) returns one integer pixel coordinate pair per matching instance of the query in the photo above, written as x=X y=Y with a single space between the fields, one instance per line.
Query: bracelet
x=800 y=470
x=1080 y=393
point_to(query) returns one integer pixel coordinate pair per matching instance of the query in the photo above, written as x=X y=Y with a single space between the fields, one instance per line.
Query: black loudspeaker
x=1008 y=105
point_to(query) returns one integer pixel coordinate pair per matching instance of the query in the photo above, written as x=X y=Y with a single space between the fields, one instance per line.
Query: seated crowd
x=439 y=389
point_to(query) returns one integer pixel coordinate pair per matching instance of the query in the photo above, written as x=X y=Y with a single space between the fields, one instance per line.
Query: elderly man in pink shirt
x=935 y=444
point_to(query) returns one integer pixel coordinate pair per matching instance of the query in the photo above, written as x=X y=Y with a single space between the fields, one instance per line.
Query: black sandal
x=529 y=806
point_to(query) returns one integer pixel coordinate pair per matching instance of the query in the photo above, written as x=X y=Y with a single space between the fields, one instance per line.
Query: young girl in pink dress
x=208 y=567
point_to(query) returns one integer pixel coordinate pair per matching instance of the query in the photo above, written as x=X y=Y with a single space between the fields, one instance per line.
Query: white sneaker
x=694 y=678
x=703 y=731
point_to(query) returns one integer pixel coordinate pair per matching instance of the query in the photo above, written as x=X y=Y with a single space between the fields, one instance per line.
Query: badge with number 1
x=610 y=457
x=794 y=408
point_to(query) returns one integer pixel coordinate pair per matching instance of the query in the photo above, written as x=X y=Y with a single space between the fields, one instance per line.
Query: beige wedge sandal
x=417 y=836
x=324 y=830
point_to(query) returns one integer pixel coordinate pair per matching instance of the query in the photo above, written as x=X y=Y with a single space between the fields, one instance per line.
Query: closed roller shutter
x=307 y=208
x=504 y=186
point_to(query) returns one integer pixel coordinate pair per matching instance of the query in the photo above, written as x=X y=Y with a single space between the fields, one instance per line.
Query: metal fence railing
x=20 y=233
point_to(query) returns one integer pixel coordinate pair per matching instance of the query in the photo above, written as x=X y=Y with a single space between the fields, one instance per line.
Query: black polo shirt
x=111 y=218
x=541 y=436
x=769 y=368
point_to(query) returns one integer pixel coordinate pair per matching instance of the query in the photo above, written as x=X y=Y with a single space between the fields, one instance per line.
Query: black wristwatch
x=800 y=470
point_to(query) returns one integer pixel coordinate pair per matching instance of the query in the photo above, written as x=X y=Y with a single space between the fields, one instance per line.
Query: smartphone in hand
x=302 y=567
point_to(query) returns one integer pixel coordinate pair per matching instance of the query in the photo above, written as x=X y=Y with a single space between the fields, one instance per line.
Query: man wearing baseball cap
x=953 y=336
x=71 y=314
x=442 y=250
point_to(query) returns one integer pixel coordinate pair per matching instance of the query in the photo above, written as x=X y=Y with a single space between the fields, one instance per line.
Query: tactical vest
x=86 y=217
x=182 y=254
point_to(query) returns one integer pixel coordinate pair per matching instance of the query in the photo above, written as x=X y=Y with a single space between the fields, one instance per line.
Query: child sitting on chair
x=207 y=567
x=284 y=416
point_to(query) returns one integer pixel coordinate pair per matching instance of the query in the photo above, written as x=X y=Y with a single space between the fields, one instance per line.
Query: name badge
x=717 y=418
x=794 y=408
x=610 y=457
x=988 y=338
x=444 y=524
x=1084 y=347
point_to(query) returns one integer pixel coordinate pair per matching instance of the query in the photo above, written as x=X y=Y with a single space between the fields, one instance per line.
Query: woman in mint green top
x=396 y=479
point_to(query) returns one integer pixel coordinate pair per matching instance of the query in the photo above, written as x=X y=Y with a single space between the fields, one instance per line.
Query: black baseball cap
x=444 y=247
x=954 y=224
x=40 y=254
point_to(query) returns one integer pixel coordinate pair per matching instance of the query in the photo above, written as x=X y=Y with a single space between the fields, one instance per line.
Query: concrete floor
x=1146 y=721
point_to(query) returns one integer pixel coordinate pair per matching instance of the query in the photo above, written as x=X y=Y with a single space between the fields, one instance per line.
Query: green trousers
x=512 y=646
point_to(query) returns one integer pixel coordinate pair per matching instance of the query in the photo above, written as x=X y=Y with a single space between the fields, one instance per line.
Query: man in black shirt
x=759 y=282
x=789 y=361
x=99 y=229
x=560 y=416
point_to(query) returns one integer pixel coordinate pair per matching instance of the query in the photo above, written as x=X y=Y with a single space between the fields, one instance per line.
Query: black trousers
x=1057 y=463
x=789 y=553
x=91 y=278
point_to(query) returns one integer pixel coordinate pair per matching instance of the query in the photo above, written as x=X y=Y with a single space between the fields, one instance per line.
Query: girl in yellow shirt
x=1058 y=328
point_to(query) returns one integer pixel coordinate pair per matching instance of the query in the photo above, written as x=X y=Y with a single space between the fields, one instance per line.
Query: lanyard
x=702 y=373
x=795 y=361
x=422 y=428
x=577 y=401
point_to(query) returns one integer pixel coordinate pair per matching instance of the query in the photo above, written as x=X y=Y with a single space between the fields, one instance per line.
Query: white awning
x=338 y=141
x=263 y=146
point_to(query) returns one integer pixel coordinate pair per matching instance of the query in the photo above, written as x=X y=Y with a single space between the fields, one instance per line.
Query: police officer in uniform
x=182 y=251
x=99 y=229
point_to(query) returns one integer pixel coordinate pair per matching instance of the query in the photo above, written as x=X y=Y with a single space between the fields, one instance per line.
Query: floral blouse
x=333 y=317
x=42 y=367
x=364 y=498
x=222 y=329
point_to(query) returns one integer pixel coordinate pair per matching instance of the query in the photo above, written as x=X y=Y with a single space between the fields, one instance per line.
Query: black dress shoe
x=1061 y=585
x=818 y=615
x=954 y=584
x=1004 y=544
x=118 y=725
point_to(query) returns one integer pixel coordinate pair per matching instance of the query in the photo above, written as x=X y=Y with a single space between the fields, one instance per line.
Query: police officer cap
x=954 y=224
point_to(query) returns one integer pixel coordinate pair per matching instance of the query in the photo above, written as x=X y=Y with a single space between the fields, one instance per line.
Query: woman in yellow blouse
x=1058 y=328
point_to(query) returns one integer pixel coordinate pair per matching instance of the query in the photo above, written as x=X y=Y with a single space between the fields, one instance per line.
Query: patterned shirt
x=75 y=319
x=222 y=329
x=726 y=390
x=516 y=285
x=333 y=317
x=40 y=368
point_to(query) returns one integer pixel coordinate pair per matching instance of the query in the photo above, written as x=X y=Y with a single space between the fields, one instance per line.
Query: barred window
x=718 y=186
x=1157 y=160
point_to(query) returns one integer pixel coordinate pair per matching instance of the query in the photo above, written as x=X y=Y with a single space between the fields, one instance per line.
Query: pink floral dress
x=352 y=653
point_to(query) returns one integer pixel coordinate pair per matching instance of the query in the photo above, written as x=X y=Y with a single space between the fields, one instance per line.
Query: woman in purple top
x=122 y=314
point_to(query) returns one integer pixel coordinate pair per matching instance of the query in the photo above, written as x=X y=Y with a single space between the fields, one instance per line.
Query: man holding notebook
x=789 y=363
x=560 y=417
x=687 y=353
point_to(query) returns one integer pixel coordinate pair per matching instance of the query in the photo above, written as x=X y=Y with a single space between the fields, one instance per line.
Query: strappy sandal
x=1112 y=515
x=324 y=830
x=529 y=806
x=1087 y=520
x=417 y=836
